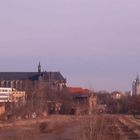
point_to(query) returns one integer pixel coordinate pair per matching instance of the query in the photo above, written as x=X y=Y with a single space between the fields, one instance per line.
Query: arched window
x=5 y=83
x=21 y=85
x=18 y=84
x=14 y=84
x=8 y=84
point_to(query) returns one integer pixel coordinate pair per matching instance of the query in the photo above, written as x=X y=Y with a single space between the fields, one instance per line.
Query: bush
x=43 y=127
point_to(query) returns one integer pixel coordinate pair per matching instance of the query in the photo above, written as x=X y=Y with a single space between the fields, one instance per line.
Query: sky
x=94 y=43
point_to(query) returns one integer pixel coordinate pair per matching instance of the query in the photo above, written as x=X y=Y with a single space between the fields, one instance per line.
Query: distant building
x=117 y=95
x=21 y=80
x=84 y=101
x=18 y=96
x=75 y=90
x=11 y=95
x=136 y=86
x=5 y=95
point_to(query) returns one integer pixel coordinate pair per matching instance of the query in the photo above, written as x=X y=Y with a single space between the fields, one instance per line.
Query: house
x=11 y=95
x=117 y=95
x=84 y=101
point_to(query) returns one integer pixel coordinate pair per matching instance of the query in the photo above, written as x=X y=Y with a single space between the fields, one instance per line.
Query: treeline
x=40 y=100
x=124 y=105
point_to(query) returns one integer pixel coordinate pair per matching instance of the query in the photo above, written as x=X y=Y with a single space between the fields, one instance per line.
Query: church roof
x=30 y=75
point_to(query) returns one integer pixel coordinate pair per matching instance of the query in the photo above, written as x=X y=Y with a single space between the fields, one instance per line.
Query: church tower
x=136 y=87
x=137 y=80
x=39 y=68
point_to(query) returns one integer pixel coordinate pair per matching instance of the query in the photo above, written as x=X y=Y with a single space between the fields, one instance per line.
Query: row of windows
x=4 y=94
x=4 y=90
x=4 y=98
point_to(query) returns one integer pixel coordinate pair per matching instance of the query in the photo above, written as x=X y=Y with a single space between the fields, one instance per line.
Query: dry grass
x=95 y=127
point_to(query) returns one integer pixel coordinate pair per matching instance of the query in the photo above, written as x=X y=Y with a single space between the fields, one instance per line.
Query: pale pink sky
x=94 y=43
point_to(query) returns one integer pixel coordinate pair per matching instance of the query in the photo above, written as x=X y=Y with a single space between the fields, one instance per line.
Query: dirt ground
x=96 y=127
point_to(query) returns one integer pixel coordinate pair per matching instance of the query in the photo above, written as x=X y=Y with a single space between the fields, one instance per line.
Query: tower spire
x=137 y=80
x=137 y=77
x=39 y=67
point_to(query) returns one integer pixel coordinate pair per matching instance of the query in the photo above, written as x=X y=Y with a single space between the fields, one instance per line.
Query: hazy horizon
x=94 y=44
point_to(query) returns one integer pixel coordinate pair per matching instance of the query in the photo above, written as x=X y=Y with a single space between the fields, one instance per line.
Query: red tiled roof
x=74 y=90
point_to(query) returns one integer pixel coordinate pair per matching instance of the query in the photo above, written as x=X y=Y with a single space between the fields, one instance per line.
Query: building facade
x=20 y=80
x=136 y=86
x=5 y=95
x=11 y=95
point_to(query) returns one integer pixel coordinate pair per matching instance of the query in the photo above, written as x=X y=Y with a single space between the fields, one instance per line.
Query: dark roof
x=30 y=75
x=54 y=75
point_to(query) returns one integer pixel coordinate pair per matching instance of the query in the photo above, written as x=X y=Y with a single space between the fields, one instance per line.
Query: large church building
x=19 y=80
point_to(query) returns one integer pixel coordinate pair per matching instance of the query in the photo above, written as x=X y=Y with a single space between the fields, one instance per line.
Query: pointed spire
x=137 y=79
x=39 y=67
